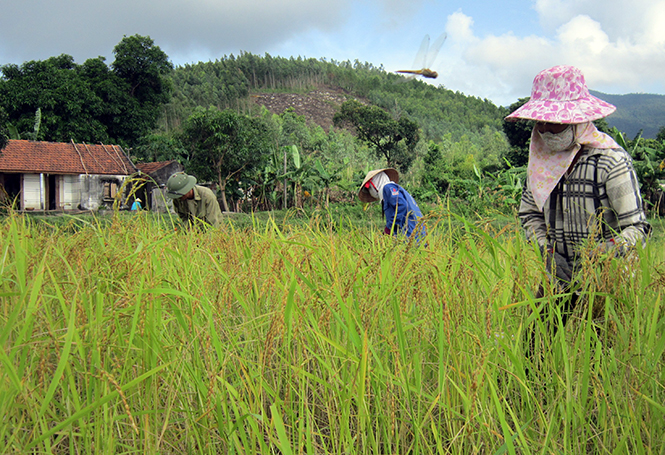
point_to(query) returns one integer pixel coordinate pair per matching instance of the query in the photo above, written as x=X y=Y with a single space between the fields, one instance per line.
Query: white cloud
x=494 y=67
x=653 y=30
x=460 y=27
x=400 y=8
x=640 y=21
x=584 y=36
x=553 y=13
x=502 y=67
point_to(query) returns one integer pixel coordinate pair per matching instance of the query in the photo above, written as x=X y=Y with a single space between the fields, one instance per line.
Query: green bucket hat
x=179 y=184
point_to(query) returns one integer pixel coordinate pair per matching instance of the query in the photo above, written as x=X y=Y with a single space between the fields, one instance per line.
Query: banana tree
x=14 y=133
x=647 y=165
x=327 y=176
x=300 y=174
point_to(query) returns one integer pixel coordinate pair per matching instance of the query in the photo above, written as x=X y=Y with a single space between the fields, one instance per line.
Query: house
x=156 y=174
x=62 y=176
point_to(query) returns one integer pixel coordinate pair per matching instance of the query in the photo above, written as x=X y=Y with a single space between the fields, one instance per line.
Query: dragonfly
x=425 y=57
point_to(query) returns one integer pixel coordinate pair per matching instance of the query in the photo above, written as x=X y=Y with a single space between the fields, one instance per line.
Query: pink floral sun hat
x=560 y=95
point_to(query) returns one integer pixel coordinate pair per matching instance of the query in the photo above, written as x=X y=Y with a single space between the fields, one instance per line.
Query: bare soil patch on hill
x=317 y=106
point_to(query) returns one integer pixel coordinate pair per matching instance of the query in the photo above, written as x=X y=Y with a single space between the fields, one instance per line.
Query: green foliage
x=89 y=102
x=471 y=176
x=649 y=163
x=394 y=140
x=143 y=68
x=437 y=111
x=518 y=134
x=226 y=83
x=660 y=137
x=223 y=146
x=4 y=130
x=69 y=107
x=437 y=169
x=293 y=130
x=157 y=147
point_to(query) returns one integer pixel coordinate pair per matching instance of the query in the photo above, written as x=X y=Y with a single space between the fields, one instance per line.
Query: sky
x=493 y=49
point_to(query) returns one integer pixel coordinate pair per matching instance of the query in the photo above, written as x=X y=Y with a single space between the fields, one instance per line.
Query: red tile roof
x=64 y=158
x=149 y=168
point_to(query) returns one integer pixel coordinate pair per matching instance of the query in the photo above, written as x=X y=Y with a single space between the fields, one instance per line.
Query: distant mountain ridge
x=635 y=112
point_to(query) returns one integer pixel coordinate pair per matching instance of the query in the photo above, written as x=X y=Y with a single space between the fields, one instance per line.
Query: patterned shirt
x=597 y=200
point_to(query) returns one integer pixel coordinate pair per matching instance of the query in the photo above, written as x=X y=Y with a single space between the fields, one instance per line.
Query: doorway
x=52 y=192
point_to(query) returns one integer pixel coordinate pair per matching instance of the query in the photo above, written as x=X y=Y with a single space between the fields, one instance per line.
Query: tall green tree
x=69 y=107
x=89 y=102
x=143 y=69
x=436 y=172
x=394 y=140
x=224 y=146
x=294 y=129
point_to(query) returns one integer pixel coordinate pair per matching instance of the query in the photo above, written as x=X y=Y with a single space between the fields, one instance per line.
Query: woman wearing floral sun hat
x=581 y=186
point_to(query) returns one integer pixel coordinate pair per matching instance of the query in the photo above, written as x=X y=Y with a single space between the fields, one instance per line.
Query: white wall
x=32 y=192
x=70 y=192
x=92 y=189
x=75 y=191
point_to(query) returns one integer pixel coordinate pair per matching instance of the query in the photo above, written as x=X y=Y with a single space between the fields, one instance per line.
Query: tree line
x=90 y=102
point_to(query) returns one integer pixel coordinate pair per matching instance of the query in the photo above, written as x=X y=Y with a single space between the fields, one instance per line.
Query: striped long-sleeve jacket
x=598 y=200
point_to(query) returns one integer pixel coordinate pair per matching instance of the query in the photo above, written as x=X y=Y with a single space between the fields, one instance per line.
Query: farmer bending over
x=193 y=203
x=399 y=208
x=582 y=192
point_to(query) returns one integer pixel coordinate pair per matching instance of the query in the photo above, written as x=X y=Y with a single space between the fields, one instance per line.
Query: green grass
x=313 y=333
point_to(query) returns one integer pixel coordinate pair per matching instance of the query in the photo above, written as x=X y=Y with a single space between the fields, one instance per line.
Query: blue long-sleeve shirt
x=401 y=212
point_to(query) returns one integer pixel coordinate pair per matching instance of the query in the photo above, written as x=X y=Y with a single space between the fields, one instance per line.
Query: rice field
x=131 y=335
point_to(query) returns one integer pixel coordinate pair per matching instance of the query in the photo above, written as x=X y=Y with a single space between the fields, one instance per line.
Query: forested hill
x=237 y=81
x=635 y=112
x=314 y=87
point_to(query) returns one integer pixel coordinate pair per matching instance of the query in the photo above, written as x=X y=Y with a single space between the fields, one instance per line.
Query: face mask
x=372 y=191
x=558 y=142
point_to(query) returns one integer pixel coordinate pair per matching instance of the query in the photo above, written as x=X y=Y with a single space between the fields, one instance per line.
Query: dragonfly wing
x=434 y=50
x=419 y=62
